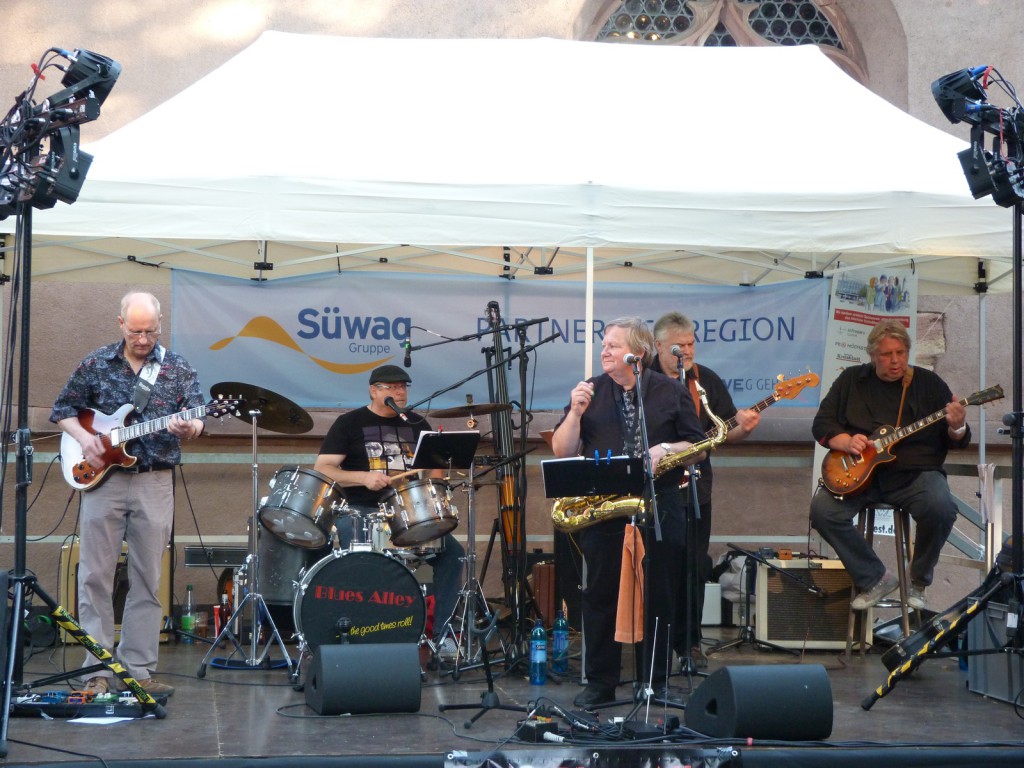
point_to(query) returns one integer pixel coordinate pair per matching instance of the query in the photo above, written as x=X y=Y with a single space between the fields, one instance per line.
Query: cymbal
x=470 y=409
x=277 y=413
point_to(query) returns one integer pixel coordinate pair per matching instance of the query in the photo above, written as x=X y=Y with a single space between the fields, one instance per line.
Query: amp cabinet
x=792 y=615
x=69 y=557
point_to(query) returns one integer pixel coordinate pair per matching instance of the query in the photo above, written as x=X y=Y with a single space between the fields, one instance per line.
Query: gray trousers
x=138 y=509
x=926 y=498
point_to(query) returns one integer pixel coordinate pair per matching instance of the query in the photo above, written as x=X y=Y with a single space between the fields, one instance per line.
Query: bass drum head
x=378 y=595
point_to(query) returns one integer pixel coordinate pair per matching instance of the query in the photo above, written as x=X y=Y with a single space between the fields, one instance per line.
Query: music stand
x=580 y=476
x=445 y=450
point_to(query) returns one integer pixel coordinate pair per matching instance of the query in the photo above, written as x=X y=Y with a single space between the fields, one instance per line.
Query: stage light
x=959 y=94
x=88 y=72
x=998 y=172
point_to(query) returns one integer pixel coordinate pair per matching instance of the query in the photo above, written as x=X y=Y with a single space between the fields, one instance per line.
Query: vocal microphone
x=407 y=362
x=631 y=359
x=390 y=403
x=676 y=350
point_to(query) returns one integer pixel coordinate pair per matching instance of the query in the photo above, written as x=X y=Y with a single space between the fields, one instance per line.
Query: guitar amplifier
x=69 y=557
x=809 y=611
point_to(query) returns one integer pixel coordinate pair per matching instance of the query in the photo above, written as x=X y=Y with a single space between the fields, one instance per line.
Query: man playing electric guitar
x=133 y=503
x=889 y=392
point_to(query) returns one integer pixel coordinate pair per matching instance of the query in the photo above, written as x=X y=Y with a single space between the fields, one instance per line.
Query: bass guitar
x=114 y=434
x=784 y=390
x=847 y=474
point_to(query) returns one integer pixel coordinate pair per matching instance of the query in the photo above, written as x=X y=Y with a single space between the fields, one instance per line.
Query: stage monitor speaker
x=780 y=702
x=791 y=615
x=364 y=678
x=69 y=557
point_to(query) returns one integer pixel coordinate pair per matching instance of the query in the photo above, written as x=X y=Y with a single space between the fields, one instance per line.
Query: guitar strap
x=692 y=380
x=147 y=378
x=907 y=378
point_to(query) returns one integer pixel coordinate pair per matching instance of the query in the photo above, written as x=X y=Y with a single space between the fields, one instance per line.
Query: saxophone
x=574 y=513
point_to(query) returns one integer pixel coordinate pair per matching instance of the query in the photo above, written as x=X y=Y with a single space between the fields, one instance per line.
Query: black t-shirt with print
x=372 y=442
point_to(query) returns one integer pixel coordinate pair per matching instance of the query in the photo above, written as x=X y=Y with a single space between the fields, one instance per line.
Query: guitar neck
x=898 y=434
x=759 y=406
x=124 y=434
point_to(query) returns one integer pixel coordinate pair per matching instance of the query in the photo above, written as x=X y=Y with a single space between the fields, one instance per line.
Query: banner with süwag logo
x=315 y=339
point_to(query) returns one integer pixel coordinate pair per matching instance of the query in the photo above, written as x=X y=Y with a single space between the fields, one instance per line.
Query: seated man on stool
x=889 y=392
x=360 y=451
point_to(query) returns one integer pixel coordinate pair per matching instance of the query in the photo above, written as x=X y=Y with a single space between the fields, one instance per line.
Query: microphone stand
x=650 y=504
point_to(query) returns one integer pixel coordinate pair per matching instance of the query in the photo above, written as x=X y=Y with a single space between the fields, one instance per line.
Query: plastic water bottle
x=538 y=654
x=188 y=616
x=560 y=644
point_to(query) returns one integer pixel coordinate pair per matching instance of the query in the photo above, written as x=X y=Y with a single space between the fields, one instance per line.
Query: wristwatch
x=666 y=448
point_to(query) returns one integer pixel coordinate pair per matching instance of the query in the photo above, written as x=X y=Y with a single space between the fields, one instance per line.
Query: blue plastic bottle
x=560 y=644
x=538 y=654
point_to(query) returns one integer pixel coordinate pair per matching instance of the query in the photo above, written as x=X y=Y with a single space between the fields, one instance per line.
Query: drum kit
x=364 y=593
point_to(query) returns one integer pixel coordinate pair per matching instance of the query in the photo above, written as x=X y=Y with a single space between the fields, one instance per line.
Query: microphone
x=631 y=359
x=676 y=350
x=407 y=362
x=390 y=403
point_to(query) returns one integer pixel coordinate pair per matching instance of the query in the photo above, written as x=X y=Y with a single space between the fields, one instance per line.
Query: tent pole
x=588 y=319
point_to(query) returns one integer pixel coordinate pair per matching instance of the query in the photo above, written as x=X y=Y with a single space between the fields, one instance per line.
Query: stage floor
x=258 y=713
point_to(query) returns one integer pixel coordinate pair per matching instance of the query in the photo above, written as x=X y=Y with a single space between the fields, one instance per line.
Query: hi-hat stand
x=257 y=657
x=456 y=450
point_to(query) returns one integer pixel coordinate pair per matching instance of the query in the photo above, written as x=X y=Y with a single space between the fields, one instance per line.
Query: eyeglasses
x=386 y=387
x=142 y=334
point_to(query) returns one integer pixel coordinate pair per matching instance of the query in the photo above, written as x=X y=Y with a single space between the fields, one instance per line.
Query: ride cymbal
x=276 y=412
x=470 y=409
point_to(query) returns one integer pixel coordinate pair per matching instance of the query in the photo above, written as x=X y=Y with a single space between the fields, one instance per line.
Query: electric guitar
x=847 y=474
x=113 y=433
x=784 y=390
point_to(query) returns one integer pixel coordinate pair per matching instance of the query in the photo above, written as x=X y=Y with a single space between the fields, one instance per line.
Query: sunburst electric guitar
x=114 y=434
x=846 y=474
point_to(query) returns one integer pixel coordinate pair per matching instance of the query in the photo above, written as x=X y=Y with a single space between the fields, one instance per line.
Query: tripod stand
x=488 y=699
x=257 y=658
x=747 y=634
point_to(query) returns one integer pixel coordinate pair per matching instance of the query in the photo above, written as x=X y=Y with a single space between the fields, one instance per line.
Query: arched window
x=734 y=23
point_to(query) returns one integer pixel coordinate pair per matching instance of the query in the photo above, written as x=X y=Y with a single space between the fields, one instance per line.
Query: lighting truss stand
x=22 y=583
x=258 y=657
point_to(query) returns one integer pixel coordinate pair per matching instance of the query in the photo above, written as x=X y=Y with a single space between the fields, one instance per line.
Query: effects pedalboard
x=67 y=704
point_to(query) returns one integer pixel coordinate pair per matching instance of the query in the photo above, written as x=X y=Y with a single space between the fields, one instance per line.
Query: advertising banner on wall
x=316 y=339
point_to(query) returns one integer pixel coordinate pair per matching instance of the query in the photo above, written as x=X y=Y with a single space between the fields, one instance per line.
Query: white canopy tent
x=739 y=165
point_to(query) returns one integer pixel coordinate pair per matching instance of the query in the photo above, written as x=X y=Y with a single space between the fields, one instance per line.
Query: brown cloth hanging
x=629 y=619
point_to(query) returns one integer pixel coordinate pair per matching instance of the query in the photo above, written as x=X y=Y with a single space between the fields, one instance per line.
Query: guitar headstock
x=790 y=388
x=986 y=396
x=223 y=406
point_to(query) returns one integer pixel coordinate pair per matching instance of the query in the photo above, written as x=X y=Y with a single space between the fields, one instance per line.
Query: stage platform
x=235 y=716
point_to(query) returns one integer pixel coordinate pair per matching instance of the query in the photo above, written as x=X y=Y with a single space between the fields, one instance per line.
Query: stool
x=901 y=530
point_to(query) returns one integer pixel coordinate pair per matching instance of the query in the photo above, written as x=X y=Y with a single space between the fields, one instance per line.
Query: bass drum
x=378 y=595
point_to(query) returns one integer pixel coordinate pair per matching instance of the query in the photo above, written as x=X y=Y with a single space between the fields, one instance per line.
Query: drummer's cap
x=389 y=374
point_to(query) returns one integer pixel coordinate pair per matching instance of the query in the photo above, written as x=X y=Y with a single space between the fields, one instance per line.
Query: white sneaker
x=916 y=598
x=885 y=585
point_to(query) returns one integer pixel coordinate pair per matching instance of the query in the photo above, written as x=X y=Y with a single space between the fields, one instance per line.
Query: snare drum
x=411 y=556
x=301 y=507
x=377 y=594
x=419 y=511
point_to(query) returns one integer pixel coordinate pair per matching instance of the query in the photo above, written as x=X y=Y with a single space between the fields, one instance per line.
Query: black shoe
x=594 y=695
x=663 y=694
